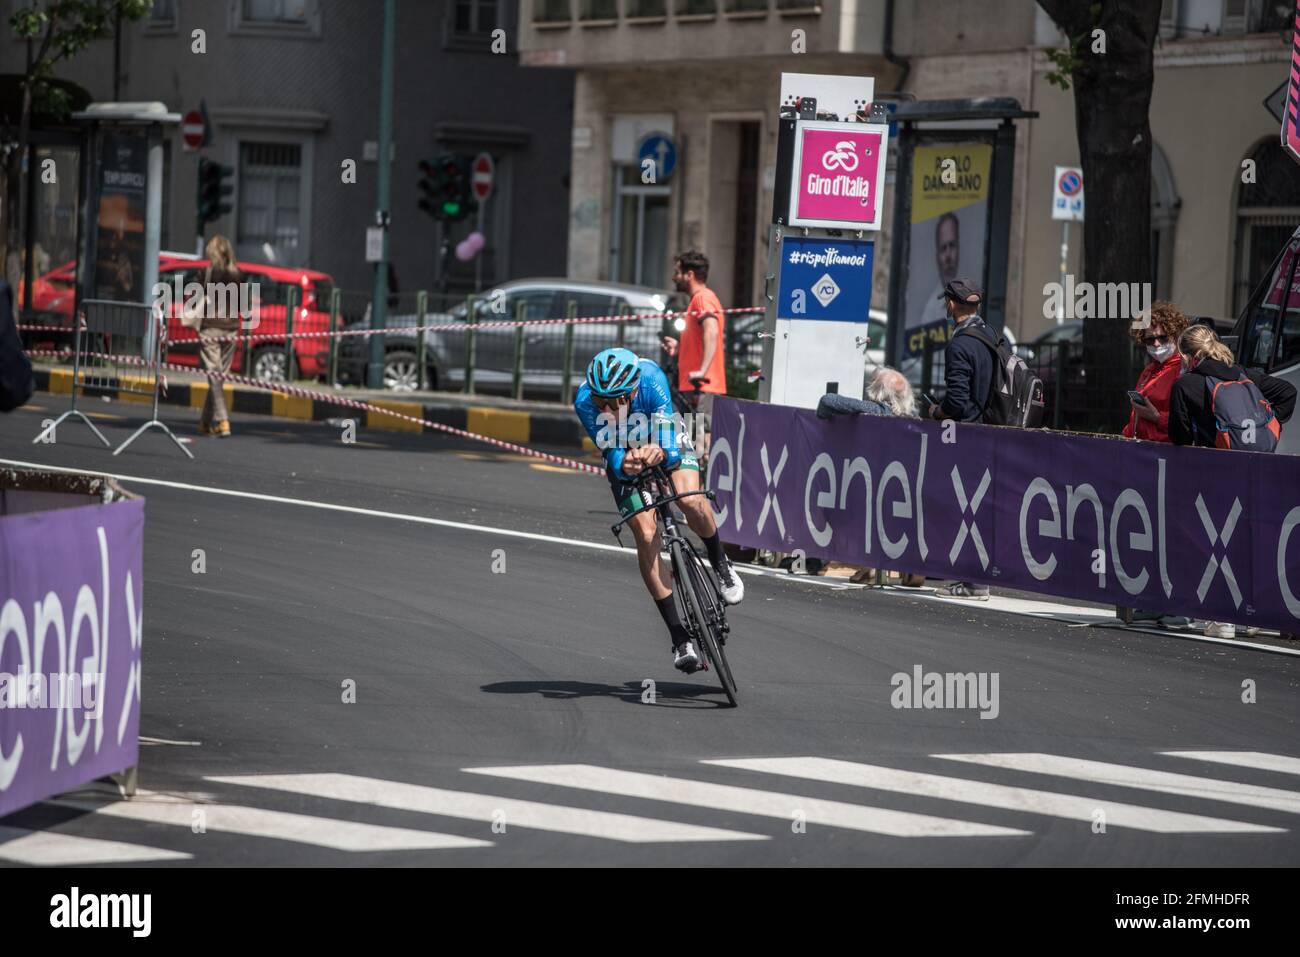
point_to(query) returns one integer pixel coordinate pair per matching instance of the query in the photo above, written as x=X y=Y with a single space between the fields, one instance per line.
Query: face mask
x=1161 y=353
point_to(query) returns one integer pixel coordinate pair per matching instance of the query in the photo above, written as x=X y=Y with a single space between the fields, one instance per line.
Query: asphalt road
x=532 y=715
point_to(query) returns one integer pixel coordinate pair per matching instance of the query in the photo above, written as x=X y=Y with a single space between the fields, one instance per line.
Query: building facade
x=707 y=74
x=292 y=91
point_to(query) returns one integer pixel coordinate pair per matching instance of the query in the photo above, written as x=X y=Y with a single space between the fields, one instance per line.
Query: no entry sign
x=481 y=180
x=192 y=130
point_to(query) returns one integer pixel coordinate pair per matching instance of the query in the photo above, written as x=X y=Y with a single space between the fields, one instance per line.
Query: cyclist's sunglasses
x=612 y=402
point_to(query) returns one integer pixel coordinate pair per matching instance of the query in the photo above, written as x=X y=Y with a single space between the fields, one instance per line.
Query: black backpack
x=1016 y=394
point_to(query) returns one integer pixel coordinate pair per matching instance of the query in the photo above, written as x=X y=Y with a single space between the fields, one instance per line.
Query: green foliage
x=1068 y=61
x=60 y=29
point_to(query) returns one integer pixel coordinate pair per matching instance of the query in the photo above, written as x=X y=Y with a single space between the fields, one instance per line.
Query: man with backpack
x=985 y=381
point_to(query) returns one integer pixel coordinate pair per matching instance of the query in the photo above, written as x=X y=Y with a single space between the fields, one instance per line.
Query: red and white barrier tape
x=495 y=324
x=294 y=390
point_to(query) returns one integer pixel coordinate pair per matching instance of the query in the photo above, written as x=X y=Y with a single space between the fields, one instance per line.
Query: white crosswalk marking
x=747 y=801
x=1100 y=772
x=1257 y=760
x=487 y=808
x=275 y=825
x=52 y=849
x=1069 y=806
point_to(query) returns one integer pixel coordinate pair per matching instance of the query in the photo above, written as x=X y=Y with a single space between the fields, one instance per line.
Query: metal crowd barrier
x=117 y=346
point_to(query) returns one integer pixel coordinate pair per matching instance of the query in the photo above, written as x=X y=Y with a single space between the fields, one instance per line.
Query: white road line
x=52 y=849
x=274 y=825
x=1069 y=806
x=1100 y=772
x=329 y=506
x=487 y=808
x=1257 y=760
x=724 y=797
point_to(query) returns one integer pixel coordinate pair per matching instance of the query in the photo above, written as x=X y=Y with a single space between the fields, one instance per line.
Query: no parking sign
x=1067 y=198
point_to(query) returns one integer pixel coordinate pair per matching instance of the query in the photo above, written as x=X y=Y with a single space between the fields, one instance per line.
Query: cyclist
x=627 y=410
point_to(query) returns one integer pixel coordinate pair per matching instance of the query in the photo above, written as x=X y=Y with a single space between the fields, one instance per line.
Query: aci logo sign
x=839 y=172
x=827 y=279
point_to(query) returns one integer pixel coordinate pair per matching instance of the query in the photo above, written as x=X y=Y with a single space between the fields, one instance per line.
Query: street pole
x=1065 y=265
x=379 y=298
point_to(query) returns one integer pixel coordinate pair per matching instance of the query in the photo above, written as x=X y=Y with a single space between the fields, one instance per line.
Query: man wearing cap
x=968 y=376
x=968 y=363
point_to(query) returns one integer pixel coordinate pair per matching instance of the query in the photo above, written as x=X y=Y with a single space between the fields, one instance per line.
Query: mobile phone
x=1137 y=397
x=925 y=397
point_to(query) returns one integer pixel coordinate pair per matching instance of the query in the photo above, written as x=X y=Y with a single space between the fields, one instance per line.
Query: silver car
x=543 y=346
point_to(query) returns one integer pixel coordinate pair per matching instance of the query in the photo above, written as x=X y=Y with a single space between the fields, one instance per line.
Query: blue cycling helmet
x=614 y=372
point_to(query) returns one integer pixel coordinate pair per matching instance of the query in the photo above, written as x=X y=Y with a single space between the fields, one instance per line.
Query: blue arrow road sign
x=660 y=148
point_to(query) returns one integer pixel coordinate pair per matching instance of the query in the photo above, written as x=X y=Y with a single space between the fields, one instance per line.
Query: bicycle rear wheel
x=704 y=610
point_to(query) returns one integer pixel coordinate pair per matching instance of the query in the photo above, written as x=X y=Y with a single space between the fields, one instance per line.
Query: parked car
x=272 y=284
x=494 y=348
x=1267 y=333
x=54 y=297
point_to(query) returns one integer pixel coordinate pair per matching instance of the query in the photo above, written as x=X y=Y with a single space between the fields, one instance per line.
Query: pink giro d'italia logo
x=837 y=176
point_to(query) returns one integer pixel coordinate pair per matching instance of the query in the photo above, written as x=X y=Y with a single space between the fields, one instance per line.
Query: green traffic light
x=451 y=209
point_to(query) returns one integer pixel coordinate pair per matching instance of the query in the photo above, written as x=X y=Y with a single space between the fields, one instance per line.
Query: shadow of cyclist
x=674 y=694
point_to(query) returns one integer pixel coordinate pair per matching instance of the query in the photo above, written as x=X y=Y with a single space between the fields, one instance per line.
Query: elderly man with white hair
x=888 y=393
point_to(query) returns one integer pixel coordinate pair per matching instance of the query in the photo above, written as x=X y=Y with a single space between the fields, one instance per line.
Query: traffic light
x=213 y=188
x=445 y=188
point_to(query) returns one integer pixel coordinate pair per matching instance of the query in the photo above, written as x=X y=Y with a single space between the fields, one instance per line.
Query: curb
x=508 y=425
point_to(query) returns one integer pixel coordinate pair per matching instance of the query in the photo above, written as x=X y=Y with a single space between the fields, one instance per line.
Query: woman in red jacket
x=1150 y=419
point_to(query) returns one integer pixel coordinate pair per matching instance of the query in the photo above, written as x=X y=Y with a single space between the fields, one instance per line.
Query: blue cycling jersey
x=650 y=414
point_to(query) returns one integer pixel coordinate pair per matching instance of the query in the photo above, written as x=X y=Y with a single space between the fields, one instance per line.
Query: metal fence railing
x=117 y=347
x=510 y=345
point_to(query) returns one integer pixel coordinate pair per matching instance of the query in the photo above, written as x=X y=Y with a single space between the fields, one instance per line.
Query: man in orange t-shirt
x=701 y=354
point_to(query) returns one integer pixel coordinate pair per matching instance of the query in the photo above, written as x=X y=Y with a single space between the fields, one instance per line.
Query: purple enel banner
x=72 y=592
x=1202 y=532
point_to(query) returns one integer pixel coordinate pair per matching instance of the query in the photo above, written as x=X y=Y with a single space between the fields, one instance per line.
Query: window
x=747 y=6
x=1267 y=212
x=275 y=11
x=163 y=13
x=270 y=198
x=599 y=9
x=552 y=11
x=473 y=17
x=647 y=8
x=697 y=8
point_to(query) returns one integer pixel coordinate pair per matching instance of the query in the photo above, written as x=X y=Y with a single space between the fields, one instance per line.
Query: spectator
x=1192 y=419
x=16 y=380
x=1150 y=419
x=1198 y=402
x=968 y=378
x=217 y=355
x=701 y=353
x=888 y=393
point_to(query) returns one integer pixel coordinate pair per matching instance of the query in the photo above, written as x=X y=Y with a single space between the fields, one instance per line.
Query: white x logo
x=769 y=497
x=970 y=529
x=1216 y=563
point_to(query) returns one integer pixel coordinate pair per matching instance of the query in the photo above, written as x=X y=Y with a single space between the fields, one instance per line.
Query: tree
x=1110 y=62
x=55 y=30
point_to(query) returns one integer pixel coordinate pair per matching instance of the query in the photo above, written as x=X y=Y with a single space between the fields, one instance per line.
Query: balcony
x=612 y=33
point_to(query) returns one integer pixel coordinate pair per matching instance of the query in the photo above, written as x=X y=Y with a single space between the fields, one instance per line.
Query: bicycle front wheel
x=704 y=612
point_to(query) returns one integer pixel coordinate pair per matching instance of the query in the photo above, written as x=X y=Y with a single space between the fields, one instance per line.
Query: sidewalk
x=511 y=420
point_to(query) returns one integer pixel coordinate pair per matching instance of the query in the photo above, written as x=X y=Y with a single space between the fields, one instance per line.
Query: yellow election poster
x=950 y=189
